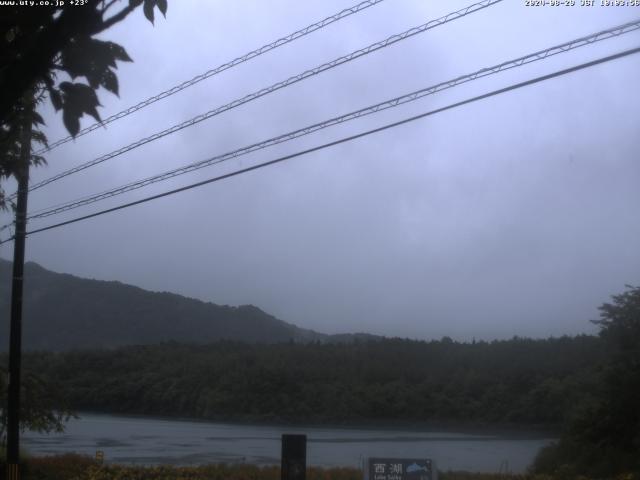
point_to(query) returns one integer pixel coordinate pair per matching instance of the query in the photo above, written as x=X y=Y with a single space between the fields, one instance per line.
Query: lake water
x=135 y=440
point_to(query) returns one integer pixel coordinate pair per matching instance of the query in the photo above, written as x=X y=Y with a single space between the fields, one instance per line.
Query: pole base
x=13 y=471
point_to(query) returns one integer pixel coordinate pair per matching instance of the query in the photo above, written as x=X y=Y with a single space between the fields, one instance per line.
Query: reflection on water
x=154 y=441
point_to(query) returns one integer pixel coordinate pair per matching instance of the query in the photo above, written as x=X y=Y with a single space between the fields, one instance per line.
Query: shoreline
x=509 y=431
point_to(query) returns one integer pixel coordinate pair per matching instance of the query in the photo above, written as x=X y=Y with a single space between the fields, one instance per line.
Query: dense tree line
x=601 y=436
x=516 y=381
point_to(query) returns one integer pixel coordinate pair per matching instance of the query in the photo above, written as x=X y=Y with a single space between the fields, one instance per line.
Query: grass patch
x=78 y=467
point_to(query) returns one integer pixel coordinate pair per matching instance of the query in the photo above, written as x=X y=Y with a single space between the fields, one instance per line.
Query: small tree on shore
x=603 y=437
x=44 y=408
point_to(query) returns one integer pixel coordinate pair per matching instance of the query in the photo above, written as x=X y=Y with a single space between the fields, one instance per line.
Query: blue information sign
x=401 y=469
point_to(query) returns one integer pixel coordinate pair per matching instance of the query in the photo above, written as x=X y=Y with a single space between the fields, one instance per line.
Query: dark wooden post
x=294 y=457
x=15 y=329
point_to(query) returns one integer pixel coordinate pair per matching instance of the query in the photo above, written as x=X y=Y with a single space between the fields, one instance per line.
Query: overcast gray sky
x=516 y=215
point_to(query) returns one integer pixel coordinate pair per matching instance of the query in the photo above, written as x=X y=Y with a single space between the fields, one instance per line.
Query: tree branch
x=108 y=6
x=121 y=15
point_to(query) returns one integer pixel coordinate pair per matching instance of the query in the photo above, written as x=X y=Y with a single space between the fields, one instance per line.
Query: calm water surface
x=134 y=440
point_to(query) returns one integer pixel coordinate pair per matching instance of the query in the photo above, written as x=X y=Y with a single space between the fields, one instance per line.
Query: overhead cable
x=219 y=69
x=276 y=86
x=391 y=103
x=345 y=139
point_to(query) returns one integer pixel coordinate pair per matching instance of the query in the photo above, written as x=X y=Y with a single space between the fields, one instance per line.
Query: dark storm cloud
x=514 y=215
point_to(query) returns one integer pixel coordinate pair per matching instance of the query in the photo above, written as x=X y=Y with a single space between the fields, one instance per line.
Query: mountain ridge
x=66 y=312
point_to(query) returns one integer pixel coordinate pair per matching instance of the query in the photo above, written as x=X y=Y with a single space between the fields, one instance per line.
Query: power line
x=394 y=102
x=345 y=139
x=277 y=86
x=219 y=69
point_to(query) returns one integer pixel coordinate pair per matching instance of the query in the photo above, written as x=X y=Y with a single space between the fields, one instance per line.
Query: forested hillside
x=516 y=381
x=62 y=312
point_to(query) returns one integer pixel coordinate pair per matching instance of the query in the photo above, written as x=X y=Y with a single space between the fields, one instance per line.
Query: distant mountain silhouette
x=63 y=312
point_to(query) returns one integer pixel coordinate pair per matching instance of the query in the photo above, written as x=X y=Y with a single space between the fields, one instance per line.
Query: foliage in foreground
x=43 y=408
x=76 y=467
x=37 y=44
x=603 y=435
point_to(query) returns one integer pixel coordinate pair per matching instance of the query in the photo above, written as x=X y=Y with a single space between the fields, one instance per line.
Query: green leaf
x=37 y=119
x=148 y=9
x=119 y=52
x=82 y=95
x=94 y=113
x=135 y=3
x=71 y=59
x=93 y=77
x=71 y=121
x=66 y=87
x=94 y=59
x=37 y=160
x=78 y=99
x=162 y=6
x=39 y=137
x=56 y=99
x=109 y=81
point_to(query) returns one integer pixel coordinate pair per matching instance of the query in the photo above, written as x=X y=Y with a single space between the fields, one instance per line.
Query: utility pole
x=15 y=335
